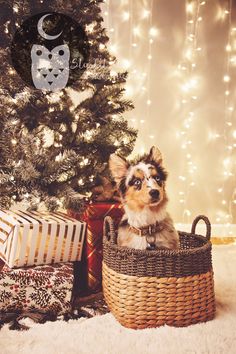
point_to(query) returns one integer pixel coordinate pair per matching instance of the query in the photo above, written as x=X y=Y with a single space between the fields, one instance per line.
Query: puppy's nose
x=154 y=193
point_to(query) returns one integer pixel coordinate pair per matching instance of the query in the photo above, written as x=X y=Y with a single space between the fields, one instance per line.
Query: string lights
x=227 y=164
x=152 y=34
x=141 y=35
x=137 y=41
x=189 y=87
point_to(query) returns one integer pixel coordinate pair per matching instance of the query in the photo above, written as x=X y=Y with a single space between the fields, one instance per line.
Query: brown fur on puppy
x=142 y=188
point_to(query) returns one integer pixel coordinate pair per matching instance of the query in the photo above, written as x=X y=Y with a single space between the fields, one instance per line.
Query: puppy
x=141 y=184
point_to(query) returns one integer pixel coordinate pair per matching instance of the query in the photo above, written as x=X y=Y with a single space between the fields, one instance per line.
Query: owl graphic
x=50 y=69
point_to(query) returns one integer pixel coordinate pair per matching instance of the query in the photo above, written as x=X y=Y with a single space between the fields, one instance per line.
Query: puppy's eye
x=137 y=183
x=157 y=179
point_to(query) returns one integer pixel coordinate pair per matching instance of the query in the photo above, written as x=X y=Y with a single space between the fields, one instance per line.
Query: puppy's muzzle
x=155 y=194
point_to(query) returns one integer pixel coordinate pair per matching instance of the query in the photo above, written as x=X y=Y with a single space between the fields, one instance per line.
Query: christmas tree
x=51 y=149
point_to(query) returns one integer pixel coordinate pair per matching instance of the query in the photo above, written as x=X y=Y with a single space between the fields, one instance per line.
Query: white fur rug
x=103 y=335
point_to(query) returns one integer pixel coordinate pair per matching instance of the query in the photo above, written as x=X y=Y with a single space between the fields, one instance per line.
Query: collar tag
x=151 y=246
x=151 y=242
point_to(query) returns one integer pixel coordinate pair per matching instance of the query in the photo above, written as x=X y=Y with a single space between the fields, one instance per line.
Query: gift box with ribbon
x=89 y=271
x=33 y=238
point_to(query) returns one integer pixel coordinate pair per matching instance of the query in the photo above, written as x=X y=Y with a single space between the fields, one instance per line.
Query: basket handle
x=109 y=230
x=207 y=222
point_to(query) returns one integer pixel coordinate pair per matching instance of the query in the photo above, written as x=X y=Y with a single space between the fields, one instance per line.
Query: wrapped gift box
x=39 y=238
x=45 y=288
x=89 y=270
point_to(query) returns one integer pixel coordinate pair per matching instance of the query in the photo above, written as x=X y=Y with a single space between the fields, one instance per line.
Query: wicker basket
x=150 y=288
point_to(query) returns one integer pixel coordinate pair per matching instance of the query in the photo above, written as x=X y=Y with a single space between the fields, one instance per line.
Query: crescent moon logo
x=43 y=33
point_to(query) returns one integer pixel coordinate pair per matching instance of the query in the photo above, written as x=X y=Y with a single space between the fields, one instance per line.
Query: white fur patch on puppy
x=145 y=168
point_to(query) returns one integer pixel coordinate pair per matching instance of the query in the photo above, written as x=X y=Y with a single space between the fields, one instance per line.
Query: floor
x=104 y=335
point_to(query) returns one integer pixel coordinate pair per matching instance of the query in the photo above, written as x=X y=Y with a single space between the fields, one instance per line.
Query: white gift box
x=33 y=238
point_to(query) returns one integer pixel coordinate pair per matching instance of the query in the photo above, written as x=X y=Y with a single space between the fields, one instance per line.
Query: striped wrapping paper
x=33 y=238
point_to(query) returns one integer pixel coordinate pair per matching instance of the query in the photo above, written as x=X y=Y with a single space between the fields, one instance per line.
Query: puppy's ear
x=155 y=155
x=118 y=167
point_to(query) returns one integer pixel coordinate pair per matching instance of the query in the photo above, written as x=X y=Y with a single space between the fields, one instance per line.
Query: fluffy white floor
x=103 y=335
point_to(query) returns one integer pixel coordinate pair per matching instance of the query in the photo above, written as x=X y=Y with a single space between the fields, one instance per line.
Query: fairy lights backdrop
x=181 y=58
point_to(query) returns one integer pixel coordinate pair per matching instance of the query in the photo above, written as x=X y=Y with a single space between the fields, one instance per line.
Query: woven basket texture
x=150 y=288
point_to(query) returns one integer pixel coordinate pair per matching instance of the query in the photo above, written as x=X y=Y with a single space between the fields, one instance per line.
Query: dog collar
x=148 y=230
